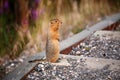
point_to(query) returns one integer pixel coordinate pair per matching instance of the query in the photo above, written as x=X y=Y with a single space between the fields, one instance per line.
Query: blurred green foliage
x=21 y=21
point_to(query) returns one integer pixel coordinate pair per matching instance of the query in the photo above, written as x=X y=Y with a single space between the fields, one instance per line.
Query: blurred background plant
x=24 y=23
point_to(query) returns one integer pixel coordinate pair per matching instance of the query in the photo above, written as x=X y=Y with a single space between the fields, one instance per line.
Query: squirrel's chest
x=52 y=46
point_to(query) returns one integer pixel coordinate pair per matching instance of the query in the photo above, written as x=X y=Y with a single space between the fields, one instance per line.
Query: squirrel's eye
x=51 y=22
x=55 y=21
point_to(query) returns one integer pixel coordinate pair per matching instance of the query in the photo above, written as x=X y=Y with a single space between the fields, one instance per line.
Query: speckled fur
x=52 y=43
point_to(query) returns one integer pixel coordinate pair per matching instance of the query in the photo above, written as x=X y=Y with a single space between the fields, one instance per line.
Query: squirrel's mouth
x=57 y=28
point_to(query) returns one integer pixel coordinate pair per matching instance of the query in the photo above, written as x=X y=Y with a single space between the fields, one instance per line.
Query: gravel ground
x=12 y=64
x=95 y=46
x=76 y=71
x=9 y=66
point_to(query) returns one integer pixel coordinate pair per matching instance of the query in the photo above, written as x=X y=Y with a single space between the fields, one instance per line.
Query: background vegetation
x=24 y=23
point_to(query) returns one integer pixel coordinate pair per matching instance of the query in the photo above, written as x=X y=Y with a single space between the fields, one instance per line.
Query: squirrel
x=52 y=42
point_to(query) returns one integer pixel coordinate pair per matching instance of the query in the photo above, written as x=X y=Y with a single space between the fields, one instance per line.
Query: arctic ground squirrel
x=52 y=42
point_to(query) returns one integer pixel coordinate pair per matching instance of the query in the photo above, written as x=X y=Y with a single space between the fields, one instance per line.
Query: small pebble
x=78 y=52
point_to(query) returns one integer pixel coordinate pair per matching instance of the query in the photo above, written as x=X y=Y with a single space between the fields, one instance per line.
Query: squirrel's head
x=55 y=24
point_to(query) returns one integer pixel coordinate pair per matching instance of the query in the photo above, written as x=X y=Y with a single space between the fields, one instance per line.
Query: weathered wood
x=95 y=63
x=109 y=34
x=25 y=67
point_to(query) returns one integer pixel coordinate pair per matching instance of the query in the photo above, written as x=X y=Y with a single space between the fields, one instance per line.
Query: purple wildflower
x=34 y=14
x=37 y=1
x=25 y=21
x=6 y=4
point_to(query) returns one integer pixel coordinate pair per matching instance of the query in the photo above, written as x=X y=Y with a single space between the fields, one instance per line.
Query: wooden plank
x=25 y=67
x=94 y=63
x=108 y=34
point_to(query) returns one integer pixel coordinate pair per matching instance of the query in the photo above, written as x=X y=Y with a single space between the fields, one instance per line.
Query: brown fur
x=52 y=43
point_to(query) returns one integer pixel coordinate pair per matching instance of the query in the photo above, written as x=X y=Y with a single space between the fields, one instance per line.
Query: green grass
x=77 y=30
